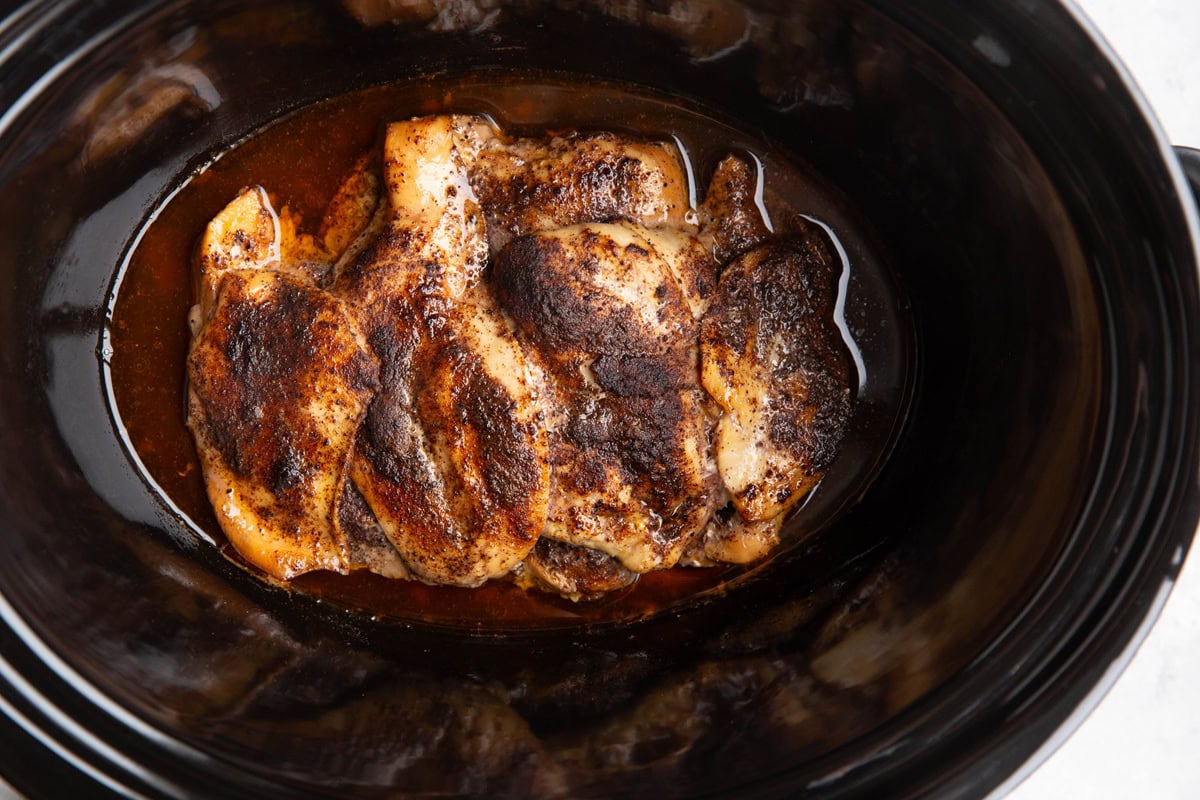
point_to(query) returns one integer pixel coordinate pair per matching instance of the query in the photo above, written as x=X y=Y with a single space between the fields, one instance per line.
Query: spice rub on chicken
x=632 y=469
x=514 y=357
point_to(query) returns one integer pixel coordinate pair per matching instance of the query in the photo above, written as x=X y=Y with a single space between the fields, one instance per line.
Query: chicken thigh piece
x=532 y=185
x=733 y=216
x=629 y=447
x=279 y=377
x=773 y=360
x=576 y=573
x=453 y=456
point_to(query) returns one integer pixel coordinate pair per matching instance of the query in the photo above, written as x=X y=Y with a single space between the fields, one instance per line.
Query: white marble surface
x=1144 y=738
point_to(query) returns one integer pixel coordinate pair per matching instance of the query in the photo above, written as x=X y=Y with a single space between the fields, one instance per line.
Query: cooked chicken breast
x=453 y=457
x=532 y=185
x=603 y=311
x=261 y=319
x=279 y=378
x=576 y=573
x=772 y=359
x=373 y=397
x=432 y=238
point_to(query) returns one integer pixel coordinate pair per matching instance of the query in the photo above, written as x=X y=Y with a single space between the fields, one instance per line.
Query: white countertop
x=1143 y=741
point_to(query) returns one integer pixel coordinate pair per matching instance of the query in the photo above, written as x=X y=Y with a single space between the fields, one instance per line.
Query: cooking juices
x=301 y=160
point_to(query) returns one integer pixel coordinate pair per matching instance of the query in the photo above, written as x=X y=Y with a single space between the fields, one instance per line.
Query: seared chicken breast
x=531 y=185
x=279 y=377
x=507 y=355
x=772 y=358
x=453 y=457
x=630 y=448
x=273 y=411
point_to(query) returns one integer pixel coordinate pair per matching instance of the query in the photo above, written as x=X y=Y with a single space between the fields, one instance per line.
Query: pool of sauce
x=300 y=160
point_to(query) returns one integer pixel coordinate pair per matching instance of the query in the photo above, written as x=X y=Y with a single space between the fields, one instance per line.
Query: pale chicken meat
x=603 y=311
x=690 y=262
x=430 y=238
x=514 y=355
x=729 y=539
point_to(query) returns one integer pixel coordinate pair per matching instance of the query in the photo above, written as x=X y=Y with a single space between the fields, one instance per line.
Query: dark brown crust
x=550 y=293
x=478 y=416
x=258 y=358
x=257 y=365
x=437 y=398
x=788 y=287
x=730 y=220
x=639 y=427
x=639 y=375
x=531 y=185
x=578 y=573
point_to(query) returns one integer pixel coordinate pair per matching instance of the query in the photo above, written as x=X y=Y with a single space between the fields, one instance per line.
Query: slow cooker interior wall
x=978 y=496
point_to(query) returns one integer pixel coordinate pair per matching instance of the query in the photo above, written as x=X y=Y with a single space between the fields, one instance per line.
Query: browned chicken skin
x=732 y=219
x=631 y=467
x=530 y=364
x=452 y=457
x=775 y=366
x=279 y=377
x=532 y=185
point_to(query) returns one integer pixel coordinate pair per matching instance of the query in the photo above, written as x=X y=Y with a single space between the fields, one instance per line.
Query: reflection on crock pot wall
x=831 y=641
x=130 y=105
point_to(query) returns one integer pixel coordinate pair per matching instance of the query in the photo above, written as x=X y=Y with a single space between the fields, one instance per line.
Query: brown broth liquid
x=301 y=160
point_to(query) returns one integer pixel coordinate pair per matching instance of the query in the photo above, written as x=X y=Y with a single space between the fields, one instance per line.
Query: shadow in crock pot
x=830 y=641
